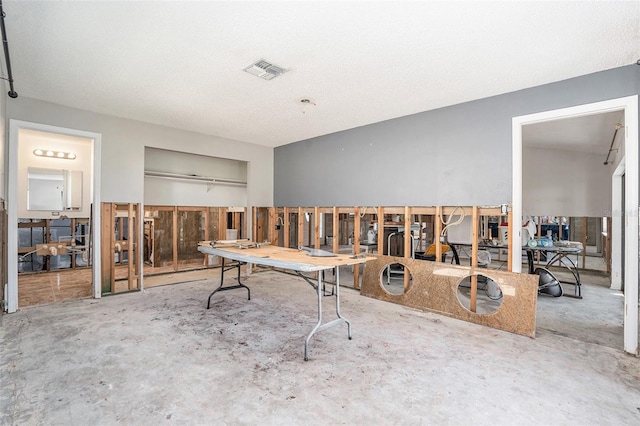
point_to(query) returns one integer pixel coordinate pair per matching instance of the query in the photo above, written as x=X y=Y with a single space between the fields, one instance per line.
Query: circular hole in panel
x=392 y=278
x=488 y=297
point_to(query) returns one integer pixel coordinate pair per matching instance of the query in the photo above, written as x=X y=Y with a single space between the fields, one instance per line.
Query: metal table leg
x=573 y=268
x=232 y=287
x=319 y=326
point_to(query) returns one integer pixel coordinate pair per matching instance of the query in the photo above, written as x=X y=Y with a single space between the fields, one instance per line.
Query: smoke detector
x=265 y=70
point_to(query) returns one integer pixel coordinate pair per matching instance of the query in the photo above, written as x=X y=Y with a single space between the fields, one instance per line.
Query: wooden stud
x=509 y=240
x=120 y=236
x=437 y=233
x=380 y=236
x=301 y=219
x=72 y=242
x=286 y=227
x=316 y=227
x=138 y=248
x=175 y=237
x=107 y=272
x=222 y=223
x=206 y=234
x=539 y=235
x=254 y=224
x=273 y=222
x=356 y=246
x=408 y=248
x=130 y=251
x=429 y=211
x=336 y=237
x=474 y=259
x=584 y=242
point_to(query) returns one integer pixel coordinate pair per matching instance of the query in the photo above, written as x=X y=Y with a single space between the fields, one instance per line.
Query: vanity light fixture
x=54 y=154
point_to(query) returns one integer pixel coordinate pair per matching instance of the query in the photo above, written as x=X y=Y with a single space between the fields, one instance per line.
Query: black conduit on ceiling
x=12 y=93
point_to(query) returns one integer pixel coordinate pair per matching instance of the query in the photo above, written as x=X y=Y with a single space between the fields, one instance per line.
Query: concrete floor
x=159 y=357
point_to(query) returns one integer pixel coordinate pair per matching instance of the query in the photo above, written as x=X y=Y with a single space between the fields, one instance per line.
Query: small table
x=286 y=258
x=560 y=253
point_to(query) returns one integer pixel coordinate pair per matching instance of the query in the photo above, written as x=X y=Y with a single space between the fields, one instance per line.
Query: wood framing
x=344 y=223
x=107 y=243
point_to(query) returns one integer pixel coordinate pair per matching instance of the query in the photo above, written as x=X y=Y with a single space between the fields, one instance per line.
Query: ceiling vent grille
x=265 y=70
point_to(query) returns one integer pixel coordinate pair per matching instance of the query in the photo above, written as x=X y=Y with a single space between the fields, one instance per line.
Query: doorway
x=630 y=230
x=75 y=156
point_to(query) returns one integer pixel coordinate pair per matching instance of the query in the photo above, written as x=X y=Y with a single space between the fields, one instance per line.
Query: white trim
x=615 y=232
x=631 y=182
x=630 y=106
x=12 y=219
x=12 y=208
x=516 y=195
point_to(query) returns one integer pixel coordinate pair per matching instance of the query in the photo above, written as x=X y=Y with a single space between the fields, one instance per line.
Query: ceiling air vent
x=265 y=70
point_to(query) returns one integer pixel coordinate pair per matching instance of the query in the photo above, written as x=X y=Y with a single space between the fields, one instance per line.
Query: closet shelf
x=210 y=181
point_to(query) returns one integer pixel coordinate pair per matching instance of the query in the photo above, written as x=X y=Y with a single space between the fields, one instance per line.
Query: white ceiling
x=590 y=133
x=180 y=64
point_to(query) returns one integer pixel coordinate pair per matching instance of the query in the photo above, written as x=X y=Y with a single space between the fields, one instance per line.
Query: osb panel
x=214 y=219
x=434 y=287
x=190 y=231
x=163 y=238
x=49 y=287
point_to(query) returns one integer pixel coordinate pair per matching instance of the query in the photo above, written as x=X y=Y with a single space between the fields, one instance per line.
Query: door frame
x=617 y=226
x=12 y=203
x=629 y=105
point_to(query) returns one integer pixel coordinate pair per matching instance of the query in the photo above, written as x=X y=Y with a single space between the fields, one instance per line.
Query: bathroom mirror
x=54 y=189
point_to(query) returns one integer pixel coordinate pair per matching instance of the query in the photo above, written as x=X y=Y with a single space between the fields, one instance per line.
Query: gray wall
x=458 y=155
x=565 y=183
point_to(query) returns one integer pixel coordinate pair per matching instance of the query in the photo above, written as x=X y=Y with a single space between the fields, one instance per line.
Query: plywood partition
x=435 y=288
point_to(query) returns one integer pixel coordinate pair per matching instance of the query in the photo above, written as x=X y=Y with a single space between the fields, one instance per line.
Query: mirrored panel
x=54 y=189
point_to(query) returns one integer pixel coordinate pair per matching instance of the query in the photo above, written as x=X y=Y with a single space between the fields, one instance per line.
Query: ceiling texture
x=180 y=64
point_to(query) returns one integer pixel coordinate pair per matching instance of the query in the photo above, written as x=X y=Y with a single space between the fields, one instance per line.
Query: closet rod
x=615 y=133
